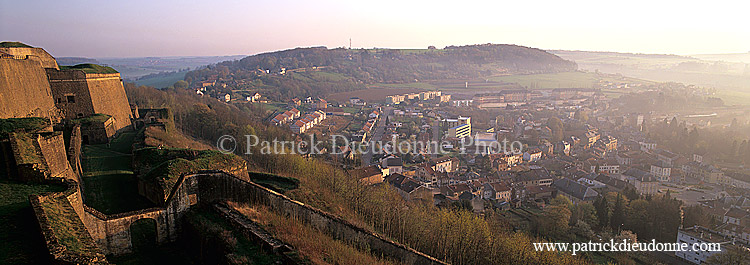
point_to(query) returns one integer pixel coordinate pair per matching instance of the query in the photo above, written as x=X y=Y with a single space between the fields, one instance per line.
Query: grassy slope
x=275 y=182
x=156 y=136
x=161 y=81
x=90 y=68
x=733 y=97
x=556 y=80
x=13 y=44
x=109 y=183
x=67 y=226
x=27 y=124
x=21 y=240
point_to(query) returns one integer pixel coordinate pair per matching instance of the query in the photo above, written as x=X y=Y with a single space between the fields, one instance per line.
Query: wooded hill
x=318 y=71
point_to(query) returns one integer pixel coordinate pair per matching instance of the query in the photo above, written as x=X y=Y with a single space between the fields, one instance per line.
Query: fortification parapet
x=41 y=56
x=80 y=94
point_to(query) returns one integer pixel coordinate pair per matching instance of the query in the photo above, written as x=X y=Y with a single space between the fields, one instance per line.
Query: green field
x=733 y=97
x=274 y=106
x=90 y=68
x=109 y=183
x=327 y=76
x=612 y=93
x=417 y=85
x=161 y=81
x=318 y=76
x=351 y=110
x=21 y=240
x=547 y=81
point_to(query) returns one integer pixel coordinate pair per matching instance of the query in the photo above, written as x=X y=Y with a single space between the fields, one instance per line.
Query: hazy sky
x=222 y=27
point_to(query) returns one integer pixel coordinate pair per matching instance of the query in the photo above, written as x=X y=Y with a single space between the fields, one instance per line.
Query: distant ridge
x=75 y=60
x=339 y=70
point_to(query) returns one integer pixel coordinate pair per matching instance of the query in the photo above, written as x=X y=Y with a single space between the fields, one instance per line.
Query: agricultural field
x=734 y=97
x=727 y=73
x=549 y=81
x=161 y=81
x=274 y=106
x=319 y=76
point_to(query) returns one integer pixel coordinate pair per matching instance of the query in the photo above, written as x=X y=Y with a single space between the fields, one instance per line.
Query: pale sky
x=138 y=28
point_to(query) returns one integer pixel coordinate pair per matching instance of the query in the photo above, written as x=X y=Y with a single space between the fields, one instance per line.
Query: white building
x=697 y=236
x=661 y=171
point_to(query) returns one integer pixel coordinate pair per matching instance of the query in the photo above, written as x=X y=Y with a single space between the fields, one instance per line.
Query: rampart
x=78 y=234
x=40 y=156
x=25 y=90
x=66 y=236
x=112 y=232
x=38 y=54
x=75 y=151
x=218 y=187
x=79 y=94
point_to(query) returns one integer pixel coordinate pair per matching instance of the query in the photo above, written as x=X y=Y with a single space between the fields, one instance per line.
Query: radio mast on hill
x=350 y=43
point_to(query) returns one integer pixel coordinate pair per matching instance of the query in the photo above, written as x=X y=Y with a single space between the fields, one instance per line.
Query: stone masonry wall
x=24 y=90
x=108 y=97
x=70 y=86
x=91 y=93
x=75 y=151
x=99 y=132
x=87 y=251
x=111 y=233
x=52 y=148
x=39 y=55
x=218 y=186
x=45 y=156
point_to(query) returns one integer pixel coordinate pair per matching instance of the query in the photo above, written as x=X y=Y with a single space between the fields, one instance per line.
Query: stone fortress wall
x=217 y=186
x=78 y=234
x=24 y=89
x=70 y=93
x=32 y=85
x=39 y=156
x=111 y=233
x=78 y=94
x=108 y=97
x=39 y=55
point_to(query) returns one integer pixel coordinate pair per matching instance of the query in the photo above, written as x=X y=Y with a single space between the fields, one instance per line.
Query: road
x=691 y=196
x=379 y=131
x=435 y=137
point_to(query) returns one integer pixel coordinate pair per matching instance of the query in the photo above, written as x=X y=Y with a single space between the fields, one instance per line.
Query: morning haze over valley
x=392 y=132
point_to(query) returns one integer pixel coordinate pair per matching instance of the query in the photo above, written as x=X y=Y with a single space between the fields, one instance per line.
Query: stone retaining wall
x=218 y=187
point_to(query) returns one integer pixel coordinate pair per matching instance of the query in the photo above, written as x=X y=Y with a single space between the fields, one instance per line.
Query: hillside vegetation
x=91 y=68
x=13 y=44
x=320 y=71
